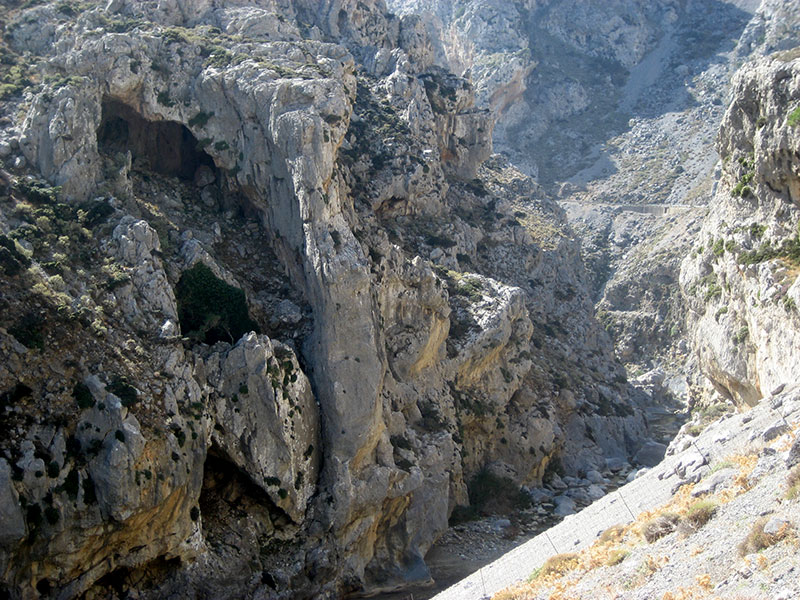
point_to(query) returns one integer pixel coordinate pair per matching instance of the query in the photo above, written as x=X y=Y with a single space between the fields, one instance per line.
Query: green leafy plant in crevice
x=742 y=187
x=210 y=310
x=789 y=250
x=794 y=117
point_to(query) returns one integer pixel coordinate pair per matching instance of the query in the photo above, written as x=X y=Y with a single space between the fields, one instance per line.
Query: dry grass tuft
x=699 y=513
x=704 y=581
x=695 y=592
x=616 y=556
x=556 y=567
x=793 y=483
x=615 y=533
x=758 y=540
x=656 y=528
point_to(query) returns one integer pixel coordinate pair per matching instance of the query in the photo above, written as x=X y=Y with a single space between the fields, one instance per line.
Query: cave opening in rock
x=120 y=581
x=165 y=147
x=227 y=491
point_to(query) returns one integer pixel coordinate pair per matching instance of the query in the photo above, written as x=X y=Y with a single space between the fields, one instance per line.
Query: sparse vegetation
x=794 y=118
x=209 y=309
x=659 y=526
x=200 y=119
x=82 y=395
x=793 y=483
x=127 y=394
x=699 y=513
x=164 y=100
x=758 y=540
x=556 y=566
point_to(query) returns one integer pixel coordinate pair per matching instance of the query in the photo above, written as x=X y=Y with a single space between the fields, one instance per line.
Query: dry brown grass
x=615 y=533
x=758 y=540
x=694 y=592
x=617 y=556
x=658 y=527
x=554 y=580
x=556 y=567
x=793 y=483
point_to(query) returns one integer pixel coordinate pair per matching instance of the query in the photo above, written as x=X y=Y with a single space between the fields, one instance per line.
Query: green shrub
x=82 y=395
x=757 y=230
x=209 y=309
x=12 y=261
x=200 y=119
x=794 y=117
x=72 y=484
x=123 y=390
x=491 y=494
x=699 y=513
x=28 y=331
x=164 y=100
x=38 y=192
x=95 y=212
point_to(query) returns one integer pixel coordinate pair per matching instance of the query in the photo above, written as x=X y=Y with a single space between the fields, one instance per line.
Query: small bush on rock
x=758 y=539
x=209 y=309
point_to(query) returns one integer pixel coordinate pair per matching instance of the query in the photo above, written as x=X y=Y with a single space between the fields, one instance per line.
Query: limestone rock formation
x=619 y=122
x=278 y=309
x=740 y=281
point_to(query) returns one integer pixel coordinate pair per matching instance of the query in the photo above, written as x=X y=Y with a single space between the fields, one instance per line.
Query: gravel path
x=688 y=461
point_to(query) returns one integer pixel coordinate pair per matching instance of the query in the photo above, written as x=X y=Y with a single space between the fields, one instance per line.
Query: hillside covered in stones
x=269 y=306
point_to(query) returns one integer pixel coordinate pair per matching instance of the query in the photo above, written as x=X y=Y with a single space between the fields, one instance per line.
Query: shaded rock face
x=168 y=147
x=420 y=311
x=741 y=280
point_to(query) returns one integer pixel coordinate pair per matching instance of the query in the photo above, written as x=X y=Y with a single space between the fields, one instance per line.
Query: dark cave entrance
x=167 y=147
x=228 y=489
x=238 y=514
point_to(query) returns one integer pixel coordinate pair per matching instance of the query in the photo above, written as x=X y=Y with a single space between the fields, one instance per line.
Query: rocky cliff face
x=279 y=308
x=741 y=279
x=618 y=122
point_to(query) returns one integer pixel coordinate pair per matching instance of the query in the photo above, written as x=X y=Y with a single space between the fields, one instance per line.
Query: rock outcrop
x=279 y=308
x=740 y=281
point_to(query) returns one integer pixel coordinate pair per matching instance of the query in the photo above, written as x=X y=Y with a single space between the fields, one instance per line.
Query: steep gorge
x=270 y=303
x=278 y=309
